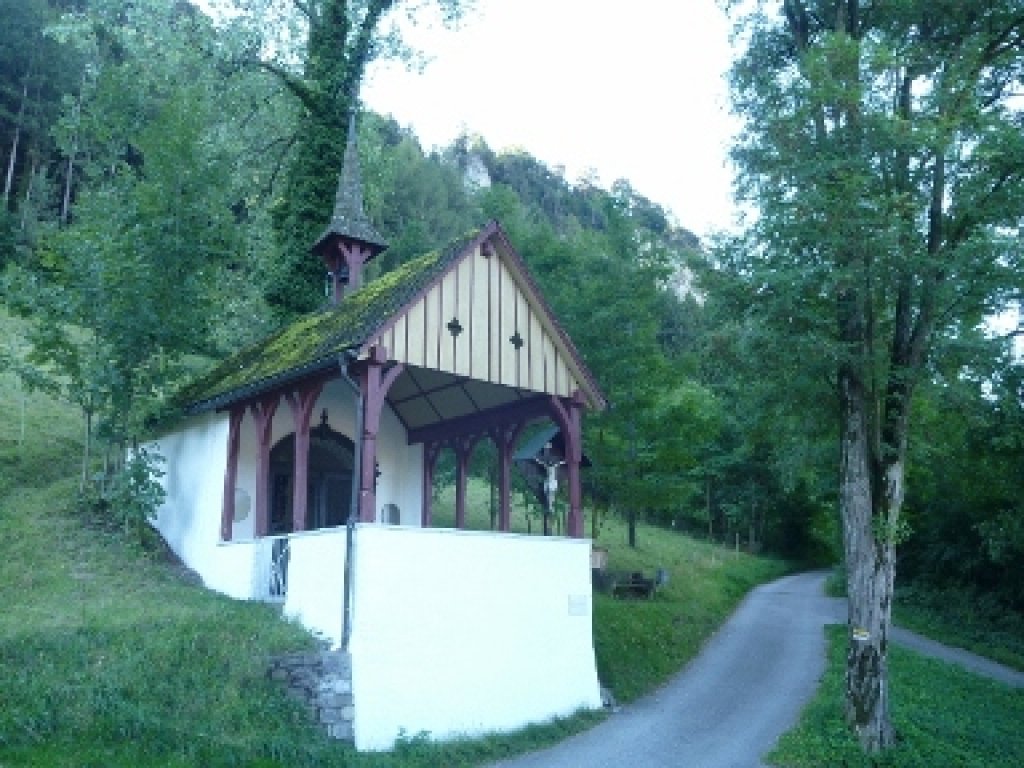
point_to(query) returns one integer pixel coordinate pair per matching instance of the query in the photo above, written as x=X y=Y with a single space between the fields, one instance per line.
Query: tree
x=415 y=201
x=151 y=200
x=35 y=72
x=773 y=458
x=884 y=153
x=341 y=37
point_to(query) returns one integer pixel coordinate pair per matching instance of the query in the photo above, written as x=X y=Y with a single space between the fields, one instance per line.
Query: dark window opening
x=329 y=480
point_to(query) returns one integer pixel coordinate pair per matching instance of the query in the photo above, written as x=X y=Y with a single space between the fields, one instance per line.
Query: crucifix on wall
x=541 y=460
x=549 y=463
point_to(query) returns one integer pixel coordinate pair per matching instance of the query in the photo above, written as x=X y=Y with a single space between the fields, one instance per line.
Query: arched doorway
x=329 y=484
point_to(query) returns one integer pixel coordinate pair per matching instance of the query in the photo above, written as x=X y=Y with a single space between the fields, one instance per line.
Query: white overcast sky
x=631 y=90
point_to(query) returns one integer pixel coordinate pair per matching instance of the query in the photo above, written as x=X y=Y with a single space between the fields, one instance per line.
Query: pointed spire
x=349 y=222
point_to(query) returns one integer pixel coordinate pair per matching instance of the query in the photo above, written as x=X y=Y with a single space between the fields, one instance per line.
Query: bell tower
x=350 y=240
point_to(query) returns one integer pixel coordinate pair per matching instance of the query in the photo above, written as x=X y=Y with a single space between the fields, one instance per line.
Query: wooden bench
x=624 y=583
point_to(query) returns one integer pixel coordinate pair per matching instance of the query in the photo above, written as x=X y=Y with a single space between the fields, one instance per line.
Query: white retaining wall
x=460 y=632
x=316 y=582
x=454 y=632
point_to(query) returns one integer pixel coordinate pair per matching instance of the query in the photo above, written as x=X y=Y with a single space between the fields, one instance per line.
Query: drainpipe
x=353 y=513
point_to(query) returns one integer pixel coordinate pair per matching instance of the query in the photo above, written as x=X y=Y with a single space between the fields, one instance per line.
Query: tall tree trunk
x=338 y=50
x=65 y=209
x=12 y=161
x=28 y=189
x=707 y=500
x=872 y=484
x=863 y=495
x=86 y=450
x=869 y=580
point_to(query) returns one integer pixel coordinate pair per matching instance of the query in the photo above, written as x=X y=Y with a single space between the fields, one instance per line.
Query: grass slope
x=944 y=715
x=108 y=657
x=639 y=644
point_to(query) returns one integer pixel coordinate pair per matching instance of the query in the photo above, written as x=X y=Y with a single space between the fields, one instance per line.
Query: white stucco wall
x=464 y=633
x=189 y=519
x=195 y=456
x=401 y=471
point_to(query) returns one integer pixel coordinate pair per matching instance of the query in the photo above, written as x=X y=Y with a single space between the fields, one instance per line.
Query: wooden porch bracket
x=568 y=414
x=227 y=514
x=374 y=383
x=263 y=412
x=302 y=402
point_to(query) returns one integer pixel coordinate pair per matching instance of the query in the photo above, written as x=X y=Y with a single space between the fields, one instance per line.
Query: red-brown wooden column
x=568 y=414
x=431 y=451
x=463 y=447
x=374 y=384
x=302 y=402
x=263 y=412
x=227 y=515
x=354 y=255
x=505 y=438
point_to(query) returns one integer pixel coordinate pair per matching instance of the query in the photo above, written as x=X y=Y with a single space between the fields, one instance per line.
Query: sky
x=631 y=90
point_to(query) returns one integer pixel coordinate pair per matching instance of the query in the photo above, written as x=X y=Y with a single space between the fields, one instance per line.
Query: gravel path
x=747 y=687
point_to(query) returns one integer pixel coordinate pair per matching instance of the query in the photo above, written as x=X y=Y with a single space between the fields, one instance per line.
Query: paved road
x=731 y=704
x=972 y=662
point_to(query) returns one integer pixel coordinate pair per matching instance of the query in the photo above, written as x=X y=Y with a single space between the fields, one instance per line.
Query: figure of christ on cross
x=550 y=465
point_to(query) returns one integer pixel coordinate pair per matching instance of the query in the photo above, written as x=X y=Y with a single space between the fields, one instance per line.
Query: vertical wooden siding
x=481 y=296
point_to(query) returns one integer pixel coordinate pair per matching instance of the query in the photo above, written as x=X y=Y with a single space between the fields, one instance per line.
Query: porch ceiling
x=423 y=397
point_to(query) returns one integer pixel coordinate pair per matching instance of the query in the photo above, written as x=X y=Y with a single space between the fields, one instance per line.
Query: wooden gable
x=468 y=323
x=484 y=319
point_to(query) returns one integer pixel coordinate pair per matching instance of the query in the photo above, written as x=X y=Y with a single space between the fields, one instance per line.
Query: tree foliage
x=964 y=507
x=883 y=151
x=119 y=291
x=323 y=73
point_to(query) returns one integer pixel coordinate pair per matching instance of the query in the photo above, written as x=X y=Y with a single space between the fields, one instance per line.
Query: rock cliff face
x=683 y=283
x=475 y=175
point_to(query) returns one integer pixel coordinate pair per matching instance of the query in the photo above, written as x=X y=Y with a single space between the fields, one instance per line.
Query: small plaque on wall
x=579 y=605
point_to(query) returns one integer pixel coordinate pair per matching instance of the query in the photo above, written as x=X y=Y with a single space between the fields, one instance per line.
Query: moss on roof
x=315 y=341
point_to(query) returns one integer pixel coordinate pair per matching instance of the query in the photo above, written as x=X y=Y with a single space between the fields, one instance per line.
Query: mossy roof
x=316 y=341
